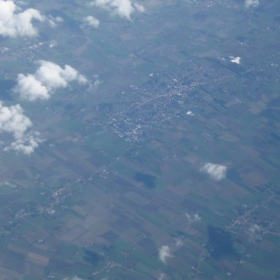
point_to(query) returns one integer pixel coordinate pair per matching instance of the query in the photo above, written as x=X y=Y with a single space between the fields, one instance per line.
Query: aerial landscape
x=140 y=139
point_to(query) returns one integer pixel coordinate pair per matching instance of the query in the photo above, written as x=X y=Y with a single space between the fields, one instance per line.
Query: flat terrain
x=119 y=174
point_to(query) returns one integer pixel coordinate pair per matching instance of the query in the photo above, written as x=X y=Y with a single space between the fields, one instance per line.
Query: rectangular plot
x=74 y=233
x=37 y=259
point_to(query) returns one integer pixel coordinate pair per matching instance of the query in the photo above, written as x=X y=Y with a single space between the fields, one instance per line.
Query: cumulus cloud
x=91 y=21
x=195 y=218
x=217 y=172
x=235 y=59
x=16 y=23
x=164 y=253
x=26 y=144
x=251 y=3
x=47 y=78
x=13 y=121
x=122 y=8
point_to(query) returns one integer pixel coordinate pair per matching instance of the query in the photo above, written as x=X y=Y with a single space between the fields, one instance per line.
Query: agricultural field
x=164 y=164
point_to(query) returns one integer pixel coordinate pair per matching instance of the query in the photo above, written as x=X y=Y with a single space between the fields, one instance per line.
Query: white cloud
x=164 y=253
x=13 y=121
x=26 y=144
x=97 y=82
x=251 y=3
x=139 y=7
x=162 y=276
x=190 y=113
x=195 y=218
x=52 y=43
x=91 y=21
x=235 y=59
x=16 y=23
x=30 y=88
x=47 y=78
x=53 y=21
x=216 y=171
x=122 y=8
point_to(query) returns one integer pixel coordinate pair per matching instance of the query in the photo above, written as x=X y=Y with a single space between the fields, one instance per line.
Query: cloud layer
x=47 y=78
x=16 y=24
x=122 y=8
x=13 y=121
x=217 y=172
